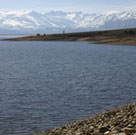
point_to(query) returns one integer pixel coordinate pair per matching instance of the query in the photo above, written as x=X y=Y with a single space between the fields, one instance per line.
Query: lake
x=47 y=84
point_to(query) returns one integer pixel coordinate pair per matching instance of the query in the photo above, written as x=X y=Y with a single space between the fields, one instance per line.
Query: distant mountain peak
x=29 y=21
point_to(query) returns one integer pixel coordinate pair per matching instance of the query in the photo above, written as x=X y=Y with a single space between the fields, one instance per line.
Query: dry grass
x=117 y=37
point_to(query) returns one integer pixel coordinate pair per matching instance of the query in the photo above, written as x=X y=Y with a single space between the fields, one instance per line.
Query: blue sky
x=68 y=5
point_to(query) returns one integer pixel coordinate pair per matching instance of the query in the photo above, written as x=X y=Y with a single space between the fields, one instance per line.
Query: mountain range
x=31 y=22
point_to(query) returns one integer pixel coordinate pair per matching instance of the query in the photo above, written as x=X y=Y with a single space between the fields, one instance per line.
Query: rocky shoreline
x=119 y=121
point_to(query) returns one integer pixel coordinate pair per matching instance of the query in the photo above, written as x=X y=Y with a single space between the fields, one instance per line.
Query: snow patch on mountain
x=57 y=21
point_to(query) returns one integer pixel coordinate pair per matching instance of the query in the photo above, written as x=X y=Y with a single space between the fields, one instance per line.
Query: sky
x=86 y=6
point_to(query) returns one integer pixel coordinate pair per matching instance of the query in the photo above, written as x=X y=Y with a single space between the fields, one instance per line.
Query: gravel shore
x=119 y=121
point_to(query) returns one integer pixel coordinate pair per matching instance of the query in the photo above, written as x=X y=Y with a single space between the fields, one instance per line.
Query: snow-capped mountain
x=57 y=21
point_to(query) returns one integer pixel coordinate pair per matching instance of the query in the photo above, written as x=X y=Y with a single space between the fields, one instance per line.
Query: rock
x=133 y=123
x=114 y=132
x=129 y=131
x=91 y=129
x=97 y=133
x=130 y=126
x=78 y=133
x=119 y=134
x=107 y=133
x=103 y=129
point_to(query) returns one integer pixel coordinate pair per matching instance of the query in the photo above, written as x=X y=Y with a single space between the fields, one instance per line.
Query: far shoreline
x=108 y=37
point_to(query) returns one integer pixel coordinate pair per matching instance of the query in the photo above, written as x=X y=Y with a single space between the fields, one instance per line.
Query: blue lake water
x=6 y=36
x=47 y=84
